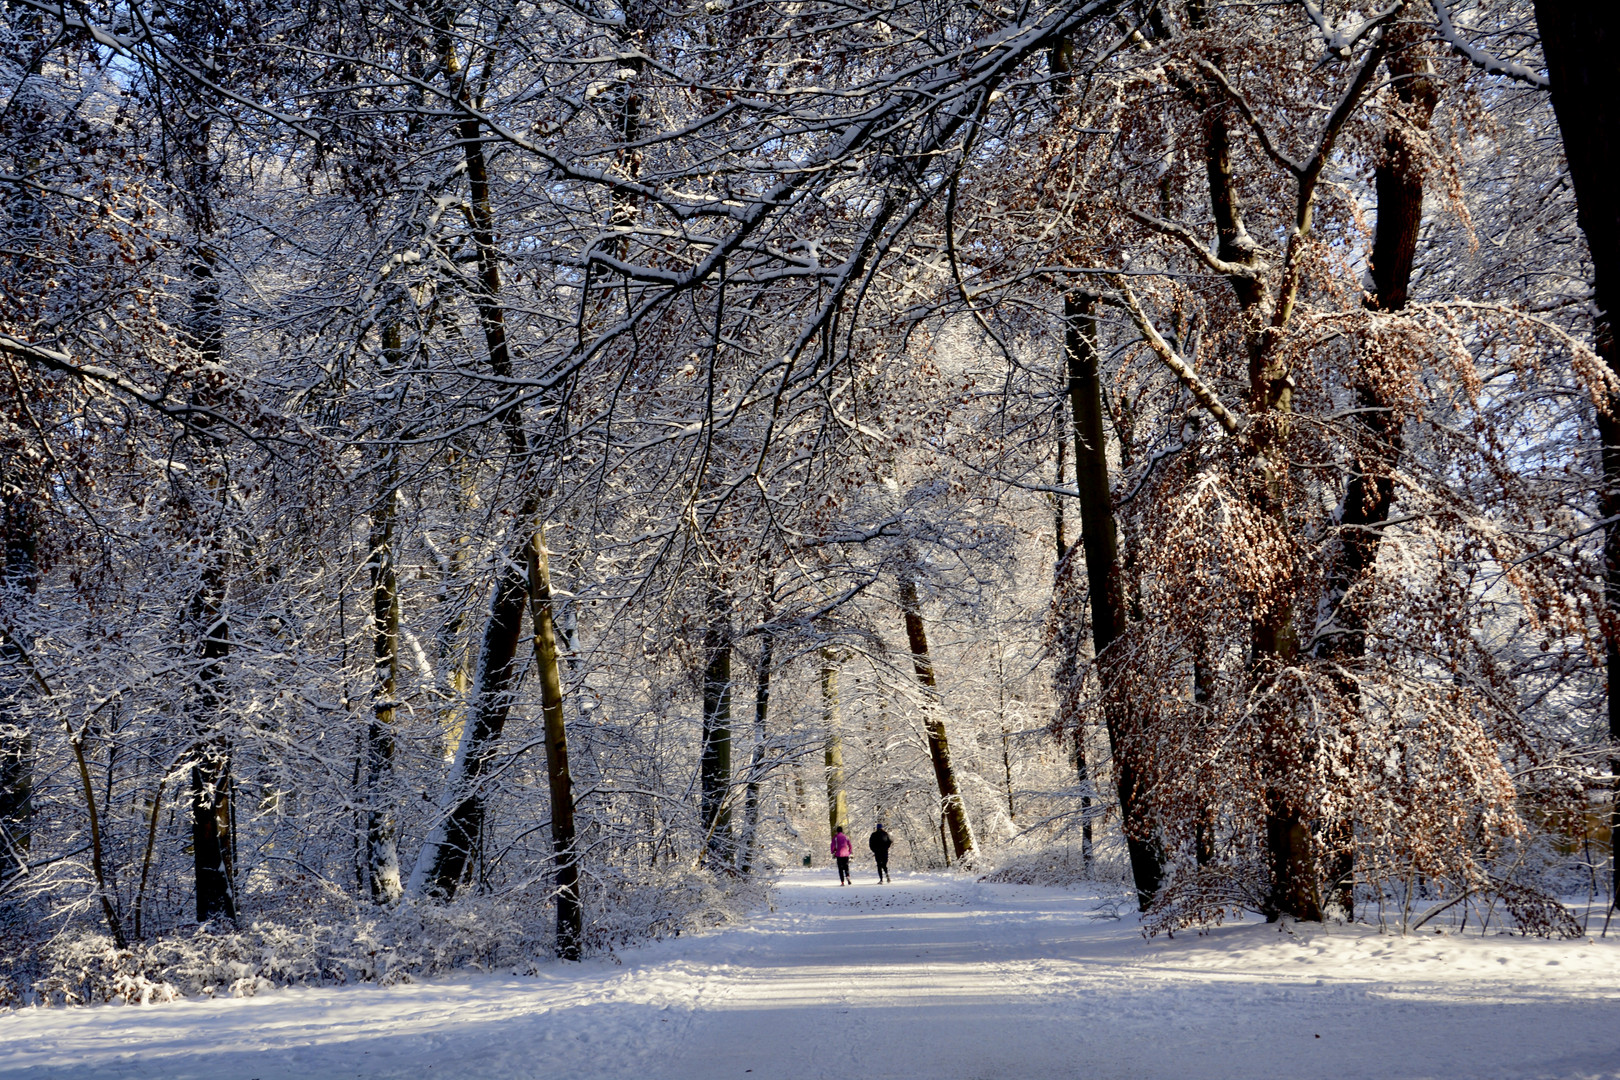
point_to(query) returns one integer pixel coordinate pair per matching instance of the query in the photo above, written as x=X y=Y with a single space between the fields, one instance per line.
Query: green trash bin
x=807 y=859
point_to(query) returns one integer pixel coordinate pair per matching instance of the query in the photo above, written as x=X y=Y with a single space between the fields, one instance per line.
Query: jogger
x=842 y=849
x=880 y=842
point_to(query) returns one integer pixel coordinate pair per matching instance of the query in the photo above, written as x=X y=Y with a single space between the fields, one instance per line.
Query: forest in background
x=491 y=480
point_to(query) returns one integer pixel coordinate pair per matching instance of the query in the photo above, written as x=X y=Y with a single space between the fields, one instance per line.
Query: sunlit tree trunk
x=1370 y=489
x=953 y=809
x=570 y=915
x=833 y=748
x=445 y=862
x=382 y=853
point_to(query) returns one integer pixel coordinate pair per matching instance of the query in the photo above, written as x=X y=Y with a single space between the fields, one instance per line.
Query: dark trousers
x=843 y=869
x=882 y=858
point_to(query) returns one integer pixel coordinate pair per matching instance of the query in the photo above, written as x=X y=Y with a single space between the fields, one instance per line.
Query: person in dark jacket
x=880 y=842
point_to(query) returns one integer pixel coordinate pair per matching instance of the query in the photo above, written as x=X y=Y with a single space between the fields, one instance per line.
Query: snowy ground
x=933 y=977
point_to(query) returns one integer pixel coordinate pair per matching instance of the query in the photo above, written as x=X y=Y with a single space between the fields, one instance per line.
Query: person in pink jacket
x=842 y=849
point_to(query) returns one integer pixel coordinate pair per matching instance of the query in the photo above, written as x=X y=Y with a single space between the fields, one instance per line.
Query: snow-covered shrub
x=513 y=931
x=1058 y=864
x=1204 y=896
x=621 y=910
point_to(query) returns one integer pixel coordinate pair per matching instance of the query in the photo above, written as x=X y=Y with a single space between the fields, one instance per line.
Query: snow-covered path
x=934 y=977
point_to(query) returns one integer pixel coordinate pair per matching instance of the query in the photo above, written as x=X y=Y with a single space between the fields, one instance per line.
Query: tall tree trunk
x=211 y=813
x=1203 y=691
x=1099 y=539
x=19 y=578
x=1579 y=39
x=1274 y=635
x=382 y=853
x=756 y=763
x=833 y=748
x=446 y=858
x=570 y=915
x=953 y=809
x=1070 y=639
x=1369 y=493
x=714 y=767
x=203 y=28
x=20 y=485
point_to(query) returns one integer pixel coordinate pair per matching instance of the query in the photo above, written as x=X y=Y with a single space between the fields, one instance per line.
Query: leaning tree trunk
x=1579 y=39
x=833 y=748
x=1099 y=539
x=953 y=809
x=570 y=916
x=446 y=858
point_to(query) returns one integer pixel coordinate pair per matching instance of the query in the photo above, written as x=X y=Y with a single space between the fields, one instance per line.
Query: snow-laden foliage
x=556 y=461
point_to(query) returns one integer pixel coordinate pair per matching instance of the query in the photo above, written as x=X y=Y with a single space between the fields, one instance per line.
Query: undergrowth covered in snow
x=511 y=931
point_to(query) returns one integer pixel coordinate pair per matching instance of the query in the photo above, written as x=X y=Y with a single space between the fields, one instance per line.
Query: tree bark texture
x=953 y=809
x=1099 y=539
x=211 y=815
x=1579 y=39
x=714 y=767
x=756 y=763
x=570 y=914
x=382 y=852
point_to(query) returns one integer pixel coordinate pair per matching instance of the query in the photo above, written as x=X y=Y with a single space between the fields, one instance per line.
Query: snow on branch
x=1481 y=59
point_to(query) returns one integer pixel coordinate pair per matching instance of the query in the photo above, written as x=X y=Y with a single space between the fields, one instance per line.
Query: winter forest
x=496 y=481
